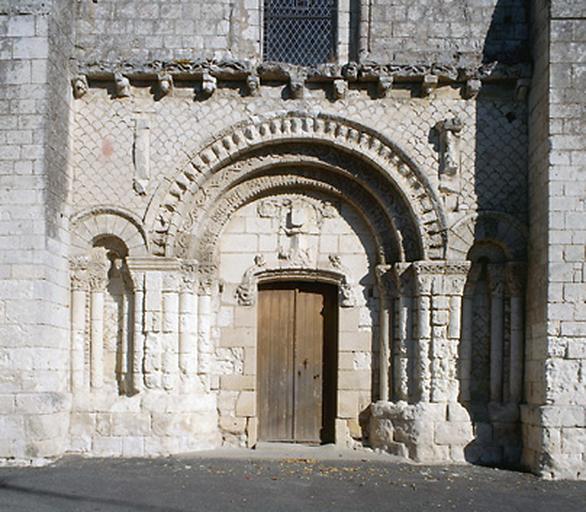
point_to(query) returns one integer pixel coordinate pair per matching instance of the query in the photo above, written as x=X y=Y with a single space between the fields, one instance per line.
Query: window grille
x=300 y=31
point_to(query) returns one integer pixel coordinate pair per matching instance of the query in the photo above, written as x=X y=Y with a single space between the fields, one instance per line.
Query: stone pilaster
x=98 y=279
x=79 y=292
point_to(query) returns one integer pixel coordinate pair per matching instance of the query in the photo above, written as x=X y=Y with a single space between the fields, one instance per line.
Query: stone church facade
x=214 y=233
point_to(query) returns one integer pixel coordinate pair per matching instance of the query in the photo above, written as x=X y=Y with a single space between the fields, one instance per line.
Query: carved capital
x=98 y=267
x=78 y=268
x=347 y=294
x=386 y=279
x=496 y=279
x=188 y=276
x=424 y=273
x=516 y=275
x=207 y=278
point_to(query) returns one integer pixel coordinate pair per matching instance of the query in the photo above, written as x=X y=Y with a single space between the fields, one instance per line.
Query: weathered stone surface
x=155 y=170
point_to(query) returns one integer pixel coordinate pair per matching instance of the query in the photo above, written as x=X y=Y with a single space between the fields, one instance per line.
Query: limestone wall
x=446 y=31
x=333 y=238
x=34 y=297
x=404 y=32
x=556 y=420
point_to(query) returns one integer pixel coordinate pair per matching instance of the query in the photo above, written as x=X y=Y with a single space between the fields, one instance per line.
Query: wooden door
x=297 y=353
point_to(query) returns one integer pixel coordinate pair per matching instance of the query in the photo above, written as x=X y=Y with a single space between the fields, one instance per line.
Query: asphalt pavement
x=285 y=481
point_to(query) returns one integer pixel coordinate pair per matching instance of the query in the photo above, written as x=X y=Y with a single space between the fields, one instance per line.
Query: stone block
x=238 y=337
x=355 y=341
x=232 y=424
x=245 y=316
x=131 y=424
x=348 y=404
x=246 y=404
x=349 y=319
x=238 y=382
x=354 y=380
x=453 y=433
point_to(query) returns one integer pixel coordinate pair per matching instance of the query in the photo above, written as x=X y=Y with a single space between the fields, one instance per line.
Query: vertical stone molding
x=465 y=352
x=204 y=341
x=98 y=279
x=496 y=277
x=188 y=319
x=79 y=293
x=516 y=282
x=170 y=329
x=138 y=331
x=402 y=275
x=424 y=276
x=384 y=283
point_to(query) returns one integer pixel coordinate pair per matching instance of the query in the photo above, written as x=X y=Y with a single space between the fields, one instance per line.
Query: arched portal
x=300 y=199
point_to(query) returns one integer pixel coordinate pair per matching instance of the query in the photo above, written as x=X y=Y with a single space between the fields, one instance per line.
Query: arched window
x=300 y=32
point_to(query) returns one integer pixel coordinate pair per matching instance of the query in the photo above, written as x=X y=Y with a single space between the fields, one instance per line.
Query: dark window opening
x=300 y=32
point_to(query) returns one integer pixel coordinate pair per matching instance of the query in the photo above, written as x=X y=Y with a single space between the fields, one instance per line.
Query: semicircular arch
x=341 y=135
x=495 y=227
x=90 y=225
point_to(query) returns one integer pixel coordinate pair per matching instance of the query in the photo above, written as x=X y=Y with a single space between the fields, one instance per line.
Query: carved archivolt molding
x=212 y=227
x=89 y=225
x=499 y=228
x=260 y=271
x=346 y=137
x=318 y=168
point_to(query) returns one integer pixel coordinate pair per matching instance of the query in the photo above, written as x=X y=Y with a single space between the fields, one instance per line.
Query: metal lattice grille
x=300 y=31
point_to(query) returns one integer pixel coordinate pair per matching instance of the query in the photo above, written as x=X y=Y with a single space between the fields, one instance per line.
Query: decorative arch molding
x=495 y=227
x=89 y=225
x=320 y=169
x=346 y=137
x=204 y=246
x=260 y=272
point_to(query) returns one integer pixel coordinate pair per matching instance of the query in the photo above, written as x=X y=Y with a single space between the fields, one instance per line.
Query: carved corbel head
x=80 y=86
x=522 y=89
x=350 y=71
x=297 y=86
x=166 y=84
x=209 y=84
x=253 y=85
x=122 y=85
x=471 y=89
x=385 y=86
x=340 y=89
x=429 y=84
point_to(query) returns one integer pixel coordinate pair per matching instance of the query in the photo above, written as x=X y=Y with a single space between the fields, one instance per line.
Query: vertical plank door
x=296 y=383
x=276 y=323
x=309 y=336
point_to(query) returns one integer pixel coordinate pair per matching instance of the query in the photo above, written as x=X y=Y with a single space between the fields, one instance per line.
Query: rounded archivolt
x=90 y=225
x=499 y=228
x=206 y=242
x=342 y=136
